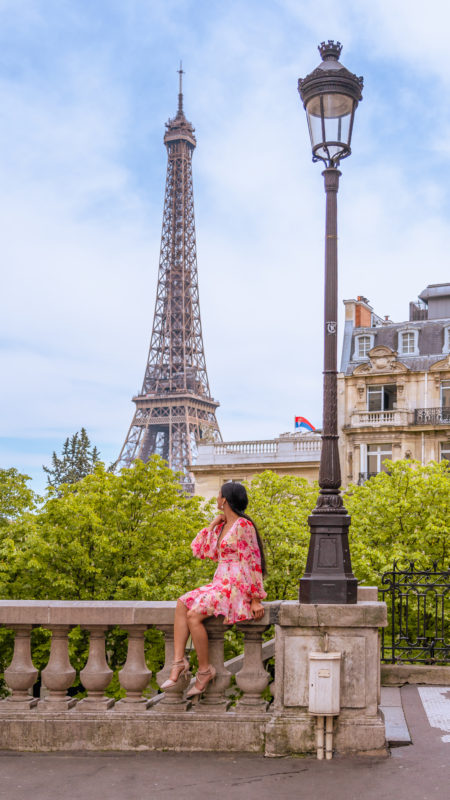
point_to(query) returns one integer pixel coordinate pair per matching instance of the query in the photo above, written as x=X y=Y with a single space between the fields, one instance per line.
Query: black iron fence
x=418 y=603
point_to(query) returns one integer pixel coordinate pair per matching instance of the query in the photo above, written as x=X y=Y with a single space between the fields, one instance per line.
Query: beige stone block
x=24 y=612
x=290 y=735
x=296 y=667
x=399 y=674
x=152 y=613
x=293 y=613
x=363 y=735
x=109 y=731
x=367 y=593
x=353 y=669
x=375 y=615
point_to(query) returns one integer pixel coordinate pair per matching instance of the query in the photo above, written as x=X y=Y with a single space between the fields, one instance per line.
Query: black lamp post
x=330 y=95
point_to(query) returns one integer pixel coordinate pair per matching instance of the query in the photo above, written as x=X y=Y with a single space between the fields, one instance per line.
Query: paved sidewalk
x=420 y=771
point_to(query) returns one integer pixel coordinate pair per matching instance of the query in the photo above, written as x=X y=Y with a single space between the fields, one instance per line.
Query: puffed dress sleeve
x=250 y=561
x=205 y=543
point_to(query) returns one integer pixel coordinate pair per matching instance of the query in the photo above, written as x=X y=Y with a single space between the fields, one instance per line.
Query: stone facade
x=290 y=454
x=394 y=386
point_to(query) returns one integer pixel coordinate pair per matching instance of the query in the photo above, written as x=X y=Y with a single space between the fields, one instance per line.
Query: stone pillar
x=135 y=675
x=252 y=679
x=351 y=630
x=214 y=699
x=59 y=674
x=21 y=673
x=96 y=675
x=173 y=697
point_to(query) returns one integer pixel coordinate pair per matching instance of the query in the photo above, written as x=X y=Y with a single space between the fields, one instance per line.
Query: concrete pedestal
x=351 y=630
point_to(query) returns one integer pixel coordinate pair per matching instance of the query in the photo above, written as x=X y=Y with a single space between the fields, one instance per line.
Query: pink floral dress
x=238 y=577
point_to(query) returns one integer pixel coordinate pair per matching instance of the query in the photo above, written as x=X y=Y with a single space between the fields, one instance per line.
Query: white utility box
x=324 y=683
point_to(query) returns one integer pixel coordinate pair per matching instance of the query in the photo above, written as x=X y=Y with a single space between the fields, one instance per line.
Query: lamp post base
x=328 y=576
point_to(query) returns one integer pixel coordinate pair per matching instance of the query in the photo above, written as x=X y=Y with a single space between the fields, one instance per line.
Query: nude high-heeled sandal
x=202 y=678
x=183 y=668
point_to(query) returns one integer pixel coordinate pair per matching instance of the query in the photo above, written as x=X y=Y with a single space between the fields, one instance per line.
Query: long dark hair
x=236 y=497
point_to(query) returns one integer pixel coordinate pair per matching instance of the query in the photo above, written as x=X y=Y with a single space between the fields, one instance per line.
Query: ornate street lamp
x=330 y=95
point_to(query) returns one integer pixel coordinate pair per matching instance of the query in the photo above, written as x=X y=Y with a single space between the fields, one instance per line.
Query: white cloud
x=81 y=190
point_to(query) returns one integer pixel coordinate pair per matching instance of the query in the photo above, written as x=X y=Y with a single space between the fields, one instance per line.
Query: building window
x=382 y=398
x=446 y=348
x=445 y=451
x=445 y=394
x=376 y=454
x=408 y=343
x=363 y=344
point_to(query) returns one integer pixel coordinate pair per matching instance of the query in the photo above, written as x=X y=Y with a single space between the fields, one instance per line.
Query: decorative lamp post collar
x=330 y=95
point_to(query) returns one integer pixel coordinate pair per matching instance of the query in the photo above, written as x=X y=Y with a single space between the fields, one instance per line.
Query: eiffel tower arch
x=174 y=408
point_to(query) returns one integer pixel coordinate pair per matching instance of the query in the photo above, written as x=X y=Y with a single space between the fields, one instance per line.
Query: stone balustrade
x=398 y=416
x=286 y=448
x=220 y=720
x=135 y=618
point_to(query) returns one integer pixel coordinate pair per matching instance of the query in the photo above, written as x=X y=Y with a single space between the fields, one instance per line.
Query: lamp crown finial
x=330 y=51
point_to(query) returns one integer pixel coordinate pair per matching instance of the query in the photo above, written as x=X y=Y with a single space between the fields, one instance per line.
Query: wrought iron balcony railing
x=432 y=416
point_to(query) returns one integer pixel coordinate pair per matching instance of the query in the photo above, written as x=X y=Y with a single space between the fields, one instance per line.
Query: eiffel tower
x=174 y=408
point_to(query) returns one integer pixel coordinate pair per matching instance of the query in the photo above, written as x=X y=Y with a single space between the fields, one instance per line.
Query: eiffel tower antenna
x=174 y=408
x=180 y=90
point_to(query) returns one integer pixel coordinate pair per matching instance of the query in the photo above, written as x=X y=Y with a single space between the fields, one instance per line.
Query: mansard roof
x=430 y=343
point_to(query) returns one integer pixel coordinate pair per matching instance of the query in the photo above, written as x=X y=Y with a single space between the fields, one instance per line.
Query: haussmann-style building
x=394 y=385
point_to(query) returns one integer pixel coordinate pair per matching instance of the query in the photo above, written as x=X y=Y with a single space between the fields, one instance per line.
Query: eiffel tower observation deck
x=174 y=408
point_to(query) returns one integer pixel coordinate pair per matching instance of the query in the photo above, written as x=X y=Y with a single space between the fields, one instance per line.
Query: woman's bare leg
x=180 y=636
x=199 y=637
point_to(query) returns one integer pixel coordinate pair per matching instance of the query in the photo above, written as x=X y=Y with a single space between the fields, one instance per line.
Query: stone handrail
x=135 y=617
x=256 y=447
x=398 y=416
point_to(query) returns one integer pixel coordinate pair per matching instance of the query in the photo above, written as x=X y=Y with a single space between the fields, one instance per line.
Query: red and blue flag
x=302 y=422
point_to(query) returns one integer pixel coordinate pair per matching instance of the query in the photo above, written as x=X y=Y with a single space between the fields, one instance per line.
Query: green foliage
x=127 y=536
x=15 y=496
x=77 y=460
x=400 y=514
x=280 y=505
x=109 y=537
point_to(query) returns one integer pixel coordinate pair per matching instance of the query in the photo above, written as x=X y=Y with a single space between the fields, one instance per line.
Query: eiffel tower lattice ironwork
x=174 y=408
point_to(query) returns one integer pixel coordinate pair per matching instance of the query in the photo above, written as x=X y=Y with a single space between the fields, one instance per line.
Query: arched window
x=446 y=347
x=363 y=344
x=408 y=342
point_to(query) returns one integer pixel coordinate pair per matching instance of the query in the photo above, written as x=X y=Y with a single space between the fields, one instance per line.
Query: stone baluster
x=135 y=675
x=252 y=679
x=59 y=674
x=173 y=697
x=96 y=675
x=21 y=673
x=214 y=698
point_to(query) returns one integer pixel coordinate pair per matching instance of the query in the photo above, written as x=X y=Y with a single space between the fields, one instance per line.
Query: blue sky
x=85 y=89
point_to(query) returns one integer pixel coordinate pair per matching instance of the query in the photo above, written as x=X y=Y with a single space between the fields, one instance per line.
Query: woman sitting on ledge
x=236 y=589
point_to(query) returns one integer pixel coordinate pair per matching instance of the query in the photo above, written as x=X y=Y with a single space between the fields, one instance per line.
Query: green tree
x=280 y=505
x=16 y=496
x=111 y=537
x=17 y=501
x=77 y=460
x=403 y=513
